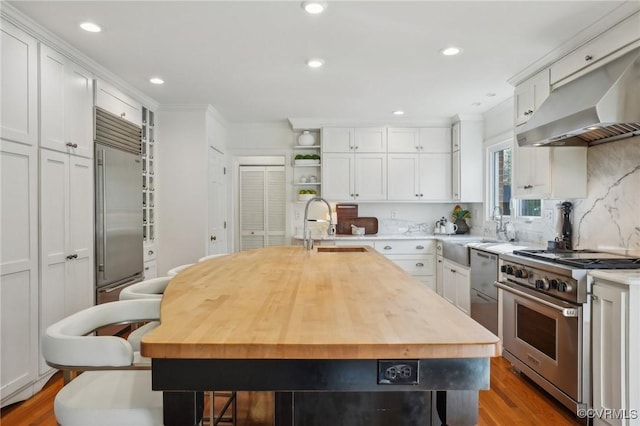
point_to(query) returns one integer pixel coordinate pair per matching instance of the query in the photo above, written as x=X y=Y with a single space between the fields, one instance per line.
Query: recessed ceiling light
x=398 y=112
x=315 y=63
x=314 y=7
x=91 y=27
x=451 y=51
x=156 y=80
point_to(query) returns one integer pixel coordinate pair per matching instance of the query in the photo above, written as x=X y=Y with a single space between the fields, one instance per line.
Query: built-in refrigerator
x=118 y=213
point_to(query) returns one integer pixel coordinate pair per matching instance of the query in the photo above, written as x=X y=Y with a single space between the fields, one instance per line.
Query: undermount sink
x=332 y=249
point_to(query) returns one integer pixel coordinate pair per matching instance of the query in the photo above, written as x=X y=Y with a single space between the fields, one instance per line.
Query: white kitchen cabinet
x=416 y=257
x=66 y=105
x=150 y=270
x=615 y=325
x=417 y=139
x=18 y=85
x=419 y=177
x=608 y=46
x=19 y=270
x=456 y=285
x=111 y=99
x=419 y=164
x=529 y=95
x=361 y=139
x=66 y=237
x=466 y=167
x=354 y=176
x=549 y=172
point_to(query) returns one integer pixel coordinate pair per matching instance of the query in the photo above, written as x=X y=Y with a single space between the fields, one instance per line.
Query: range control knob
x=521 y=273
x=542 y=284
x=564 y=287
x=509 y=270
x=503 y=268
x=553 y=284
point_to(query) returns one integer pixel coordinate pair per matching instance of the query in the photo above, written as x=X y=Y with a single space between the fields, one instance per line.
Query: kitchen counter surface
x=629 y=277
x=405 y=236
x=327 y=303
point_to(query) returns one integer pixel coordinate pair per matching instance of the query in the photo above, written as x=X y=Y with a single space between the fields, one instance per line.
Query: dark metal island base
x=329 y=392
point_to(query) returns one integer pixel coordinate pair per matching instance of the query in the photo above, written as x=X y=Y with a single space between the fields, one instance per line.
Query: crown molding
x=605 y=23
x=42 y=35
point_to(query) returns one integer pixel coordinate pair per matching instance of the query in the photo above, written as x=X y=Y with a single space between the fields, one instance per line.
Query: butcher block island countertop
x=327 y=303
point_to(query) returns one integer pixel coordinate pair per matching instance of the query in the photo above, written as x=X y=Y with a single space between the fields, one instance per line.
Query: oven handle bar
x=566 y=312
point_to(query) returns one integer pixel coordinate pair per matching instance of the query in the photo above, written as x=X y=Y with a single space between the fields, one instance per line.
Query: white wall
x=182 y=182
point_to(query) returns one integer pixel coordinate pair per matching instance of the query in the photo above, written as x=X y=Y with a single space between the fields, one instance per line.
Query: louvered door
x=262 y=206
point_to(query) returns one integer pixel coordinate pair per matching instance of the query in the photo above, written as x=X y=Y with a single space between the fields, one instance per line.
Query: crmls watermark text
x=607 y=413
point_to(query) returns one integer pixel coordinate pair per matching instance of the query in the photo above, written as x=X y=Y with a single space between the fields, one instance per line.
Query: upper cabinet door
x=371 y=139
x=78 y=110
x=403 y=139
x=337 y=139
x=111 y=99
x=66 y=105
x=435 y=139
x=18 y=85
x=529 y=95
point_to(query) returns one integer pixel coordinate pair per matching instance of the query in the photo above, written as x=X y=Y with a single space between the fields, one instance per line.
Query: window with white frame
x=500 y=166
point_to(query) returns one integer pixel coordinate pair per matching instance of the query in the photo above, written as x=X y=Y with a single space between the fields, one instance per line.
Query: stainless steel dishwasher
x=484 y=295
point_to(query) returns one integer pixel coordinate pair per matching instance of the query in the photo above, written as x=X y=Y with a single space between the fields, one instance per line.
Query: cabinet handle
x=588 y=58
x=453 y=270
x=72 y=256
x=528 y=186
x=150 y=252
x=421 y=195
x=417 y=195
x=528 y=112
x=124 y=114
x=387 y=247
x=439 y=261
x=419 y=264
x=72 y=145
x=146 y=268
x=419 y=247
x=594 y=297
x=213 y=237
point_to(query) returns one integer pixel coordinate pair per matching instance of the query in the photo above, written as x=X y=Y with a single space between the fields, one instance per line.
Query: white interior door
x=262 y=206
x=217 y=203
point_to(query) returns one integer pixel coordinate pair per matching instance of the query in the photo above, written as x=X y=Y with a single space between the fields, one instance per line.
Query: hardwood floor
x=512 y=400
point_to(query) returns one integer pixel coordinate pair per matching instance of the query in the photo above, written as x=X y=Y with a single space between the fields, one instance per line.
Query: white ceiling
x=247 y=59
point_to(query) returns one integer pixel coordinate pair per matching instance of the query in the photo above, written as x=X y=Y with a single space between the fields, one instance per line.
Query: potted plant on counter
x=459 y=216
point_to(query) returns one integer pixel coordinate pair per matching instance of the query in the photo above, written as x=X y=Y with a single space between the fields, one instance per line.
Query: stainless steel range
x=545 y=299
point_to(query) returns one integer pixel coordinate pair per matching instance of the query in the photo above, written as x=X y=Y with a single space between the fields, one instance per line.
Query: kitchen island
x=308 y=324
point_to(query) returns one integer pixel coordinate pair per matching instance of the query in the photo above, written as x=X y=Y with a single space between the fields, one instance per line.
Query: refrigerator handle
x=102 y=197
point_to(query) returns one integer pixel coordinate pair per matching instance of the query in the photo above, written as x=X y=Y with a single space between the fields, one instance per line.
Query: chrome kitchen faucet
x=307 y=241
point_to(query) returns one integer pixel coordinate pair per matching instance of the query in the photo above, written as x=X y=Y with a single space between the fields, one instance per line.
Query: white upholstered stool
x=175 y=271
x=211 y=256
x=117 y=388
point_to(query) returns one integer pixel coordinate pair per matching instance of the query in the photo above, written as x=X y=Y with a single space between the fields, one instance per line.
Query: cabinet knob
x=213 y=237
x=351 y=147
x=352 y=195
x=72 y=145
x=387 y=247
x=124 y=114
x=417 y=195
x=528 y=186
x=421 y=195
x=594 y=297
x=150 y=252
x=588 y=58
x=528 y=112
x=439 y=261
x=72 y=256
x=453 y=270
x=357 y=195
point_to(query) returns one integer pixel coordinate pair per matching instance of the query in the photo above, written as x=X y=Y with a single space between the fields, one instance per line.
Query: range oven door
x=545 y=334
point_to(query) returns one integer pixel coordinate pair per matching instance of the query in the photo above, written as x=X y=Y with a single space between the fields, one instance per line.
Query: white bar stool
x=175 y=271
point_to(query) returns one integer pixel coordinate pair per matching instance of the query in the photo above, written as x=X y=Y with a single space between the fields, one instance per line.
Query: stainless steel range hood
x=601 y=106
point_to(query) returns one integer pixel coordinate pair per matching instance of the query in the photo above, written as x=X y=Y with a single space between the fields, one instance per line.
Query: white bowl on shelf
x=306 y=197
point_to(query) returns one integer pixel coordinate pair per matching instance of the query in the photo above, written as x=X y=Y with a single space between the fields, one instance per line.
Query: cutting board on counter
x=370 y=225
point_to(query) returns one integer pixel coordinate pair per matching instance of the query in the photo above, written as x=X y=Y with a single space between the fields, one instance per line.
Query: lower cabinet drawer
x=405 y=246
x=150 y=269
x=415 y=265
